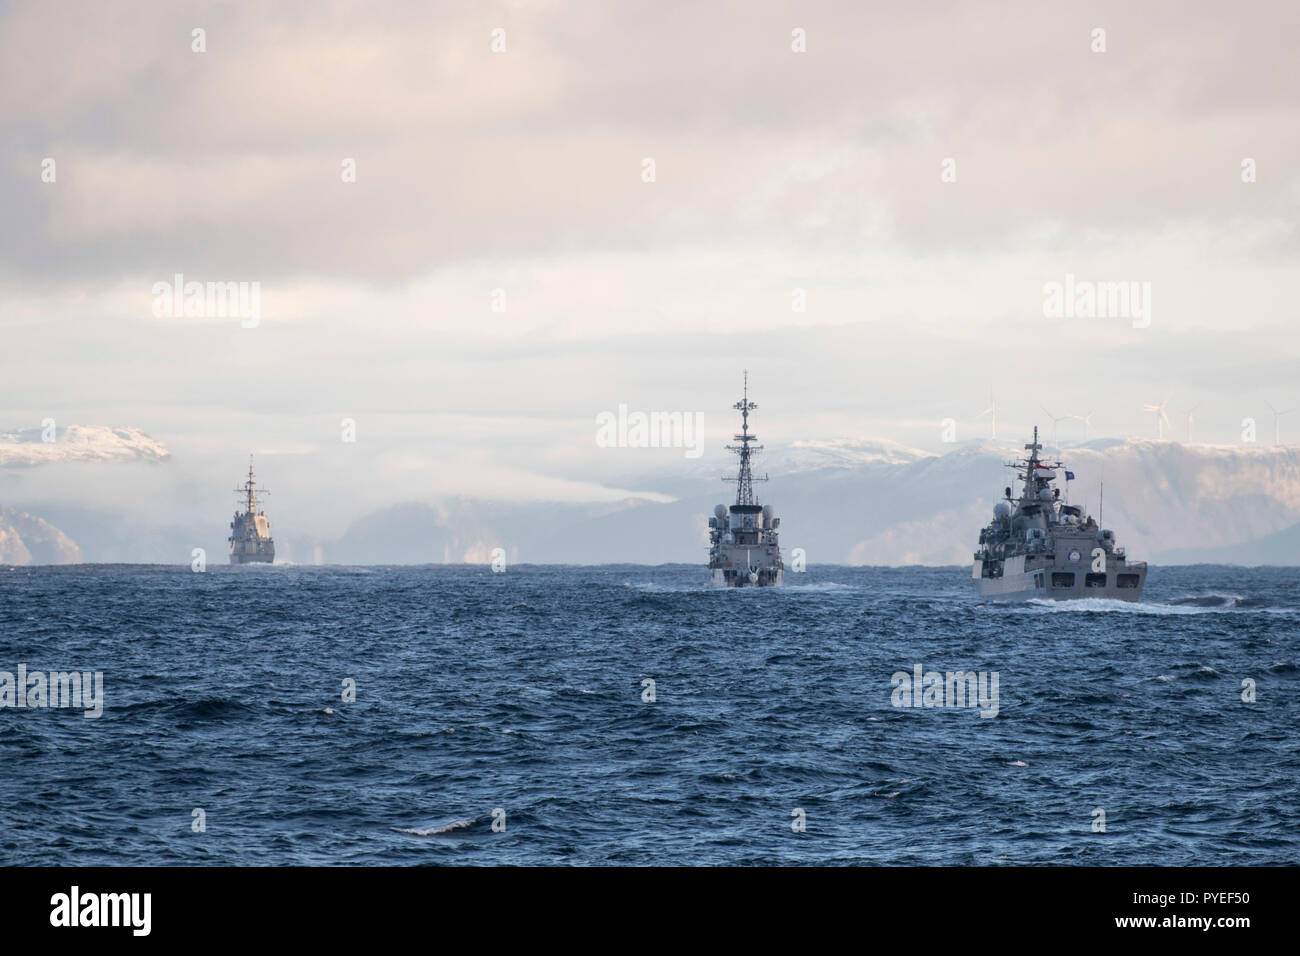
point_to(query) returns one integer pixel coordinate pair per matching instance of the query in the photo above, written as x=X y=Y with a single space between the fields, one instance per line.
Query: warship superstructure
x=744 y=550
x=1037 y=546
x=250 y=531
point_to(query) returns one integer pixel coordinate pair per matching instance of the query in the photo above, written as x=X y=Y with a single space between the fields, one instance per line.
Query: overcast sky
x=522 y=170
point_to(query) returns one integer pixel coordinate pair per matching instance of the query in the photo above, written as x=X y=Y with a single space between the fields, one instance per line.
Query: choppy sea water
x=523 y=692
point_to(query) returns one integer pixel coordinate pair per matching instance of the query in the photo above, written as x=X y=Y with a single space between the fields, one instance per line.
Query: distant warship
x=1038 y=547
x=743 y=546
x=250 y=531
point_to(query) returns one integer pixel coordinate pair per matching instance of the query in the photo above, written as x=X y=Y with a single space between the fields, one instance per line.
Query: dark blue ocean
x=523 y=692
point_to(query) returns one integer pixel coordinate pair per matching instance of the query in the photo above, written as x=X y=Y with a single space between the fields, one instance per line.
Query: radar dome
x=767 y=514
x=720 y=511
x=1001 y=509
x=1045 y=494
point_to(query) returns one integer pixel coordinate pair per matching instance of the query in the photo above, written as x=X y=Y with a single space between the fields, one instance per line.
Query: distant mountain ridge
x=843 y=502
x=883 y=504
x=25 y=539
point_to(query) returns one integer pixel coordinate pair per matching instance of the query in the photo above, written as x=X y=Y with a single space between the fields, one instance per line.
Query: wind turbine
x=1190 y=419
x=1161 y=418
x=1055 y=419
x=992 y=412
x=1086 y=419
x=1276 y=415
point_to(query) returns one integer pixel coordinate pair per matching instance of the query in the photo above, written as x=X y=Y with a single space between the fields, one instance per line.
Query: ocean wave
x=187 y=711
x=1111 y=605
x=1217 y=600
x=1194 y=672
x=1207 y=600
x=438 y=831
x=654 y=587
x=824 y=586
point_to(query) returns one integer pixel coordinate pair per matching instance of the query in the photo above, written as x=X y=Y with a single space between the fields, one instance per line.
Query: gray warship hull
x=766 y=579
x=250 y=529
x=747 y=554
x=1040 y=547
x=1025 y=579
x=250 y=540
x=265 y=558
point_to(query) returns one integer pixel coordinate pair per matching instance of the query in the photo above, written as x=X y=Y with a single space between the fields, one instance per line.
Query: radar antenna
x=1031 y=463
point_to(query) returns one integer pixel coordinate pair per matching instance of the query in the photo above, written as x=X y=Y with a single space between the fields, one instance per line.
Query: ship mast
x=248 y=492
x=745 y=479
x=1031 y=463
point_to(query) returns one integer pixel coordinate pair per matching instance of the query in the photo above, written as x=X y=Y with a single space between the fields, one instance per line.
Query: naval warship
x=1037 y=546
x=250 y=531
x=743 y=546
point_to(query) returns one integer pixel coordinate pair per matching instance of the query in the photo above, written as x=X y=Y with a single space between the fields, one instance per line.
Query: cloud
x=229 y=161
x=521 y=171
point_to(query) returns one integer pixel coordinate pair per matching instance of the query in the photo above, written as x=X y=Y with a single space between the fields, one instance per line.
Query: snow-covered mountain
x=840 y=453
x=77 y=443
